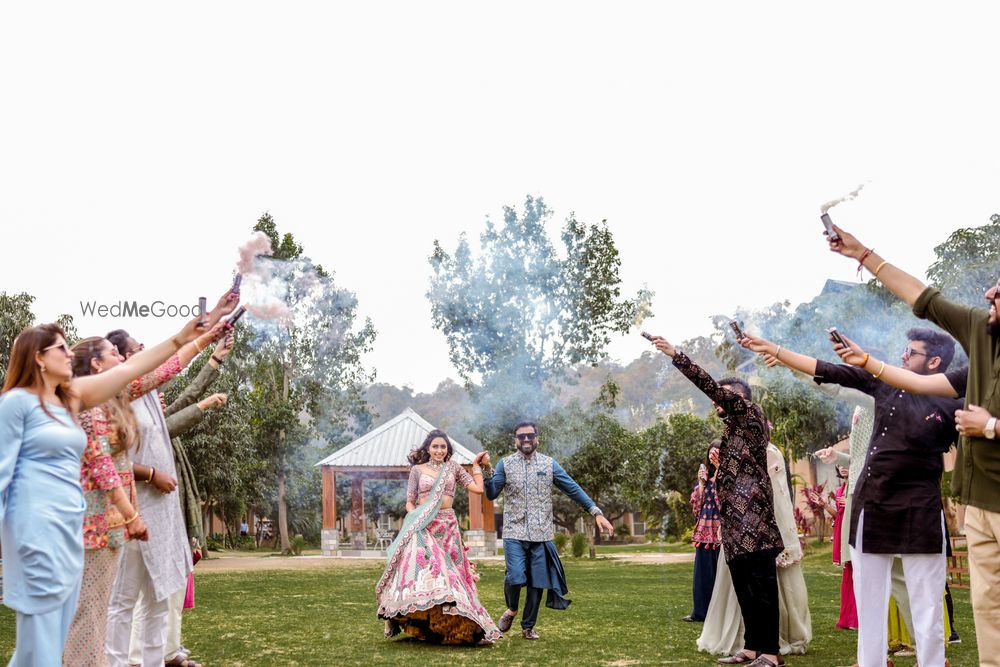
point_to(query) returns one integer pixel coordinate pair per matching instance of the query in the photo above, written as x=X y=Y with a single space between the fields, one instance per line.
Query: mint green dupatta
x=413 y=523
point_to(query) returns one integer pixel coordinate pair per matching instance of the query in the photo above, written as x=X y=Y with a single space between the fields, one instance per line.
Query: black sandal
x=737 y=659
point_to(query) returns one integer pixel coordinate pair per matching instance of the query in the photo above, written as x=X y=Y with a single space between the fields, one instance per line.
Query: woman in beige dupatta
x=723 y=630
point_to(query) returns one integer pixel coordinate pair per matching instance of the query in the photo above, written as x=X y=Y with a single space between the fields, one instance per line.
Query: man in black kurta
x=896 y=506
x=750 y=537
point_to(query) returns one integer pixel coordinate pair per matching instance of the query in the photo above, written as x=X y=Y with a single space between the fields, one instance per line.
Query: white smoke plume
x=259 y=280
x=644 y=307
x=853 y=194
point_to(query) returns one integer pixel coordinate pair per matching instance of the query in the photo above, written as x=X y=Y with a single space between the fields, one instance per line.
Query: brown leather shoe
x=506 y=620
x=529 y=633
x=737 y=659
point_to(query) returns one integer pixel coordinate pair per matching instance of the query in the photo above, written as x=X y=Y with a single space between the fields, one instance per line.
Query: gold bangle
x=134 y=517
x=865 y=361
x=879 y=268
x=197 y=347
x=152 y=471
x=777 y=353
x=880 y=369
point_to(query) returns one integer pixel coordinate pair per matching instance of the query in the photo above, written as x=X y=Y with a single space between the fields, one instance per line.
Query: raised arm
x=206 y=376
x=936 y=384
x=493 y=484
x=730 y=401
x=92 y=390
x=794 y=360
x=472 y=483
x=167 y=371
x=897 y=281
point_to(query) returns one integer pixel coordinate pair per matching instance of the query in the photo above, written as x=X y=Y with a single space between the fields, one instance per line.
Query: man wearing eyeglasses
x=896 y=505
x=976 y=479
x=530 y=555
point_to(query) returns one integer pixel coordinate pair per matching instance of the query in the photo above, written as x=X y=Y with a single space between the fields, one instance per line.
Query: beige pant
x=982 y=530
x=88 y=632
x=172 y=641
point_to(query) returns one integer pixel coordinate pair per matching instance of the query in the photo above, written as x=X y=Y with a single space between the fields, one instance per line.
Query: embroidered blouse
x=421 y=483
x=706 y=512
x=101 y=472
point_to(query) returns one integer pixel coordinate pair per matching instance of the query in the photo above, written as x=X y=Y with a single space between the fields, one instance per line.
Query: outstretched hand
x=851 y=353
x=846 y=245
x=664 y=346
x=758 y=345
x=826 y=455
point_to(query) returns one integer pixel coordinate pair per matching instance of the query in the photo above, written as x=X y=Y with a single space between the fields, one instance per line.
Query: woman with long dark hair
x=106 y=475
x=705 y=537
x=428 y=588
x=41 y=446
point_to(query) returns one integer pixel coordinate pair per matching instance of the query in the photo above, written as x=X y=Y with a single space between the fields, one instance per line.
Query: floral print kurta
x=743 y=486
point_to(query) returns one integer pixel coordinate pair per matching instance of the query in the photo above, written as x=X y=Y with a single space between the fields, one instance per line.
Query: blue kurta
x=41 y=503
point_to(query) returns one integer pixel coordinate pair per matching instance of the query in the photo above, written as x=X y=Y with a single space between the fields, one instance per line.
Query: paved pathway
x=244 y=563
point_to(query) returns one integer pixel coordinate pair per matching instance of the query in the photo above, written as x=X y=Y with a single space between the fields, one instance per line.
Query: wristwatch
x=991 y=428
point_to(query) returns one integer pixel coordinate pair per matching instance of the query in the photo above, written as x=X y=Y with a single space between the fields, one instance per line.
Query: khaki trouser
x=982 y=531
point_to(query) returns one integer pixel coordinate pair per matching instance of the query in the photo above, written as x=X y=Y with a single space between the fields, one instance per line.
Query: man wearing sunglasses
x=530 y=554
x=976 y=479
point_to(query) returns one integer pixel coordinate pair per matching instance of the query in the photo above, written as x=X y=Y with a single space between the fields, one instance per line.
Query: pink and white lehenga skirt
x=428 y=589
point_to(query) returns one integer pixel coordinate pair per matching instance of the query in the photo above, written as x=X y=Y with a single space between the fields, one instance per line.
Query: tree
x=976 y=252
x=229 y=463
x=307 y=378
x=516 y=315
x=666 y=460
x=802 y=418
x=15 y=316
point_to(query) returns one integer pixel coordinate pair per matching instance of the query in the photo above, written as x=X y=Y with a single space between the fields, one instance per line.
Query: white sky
x=139 y=143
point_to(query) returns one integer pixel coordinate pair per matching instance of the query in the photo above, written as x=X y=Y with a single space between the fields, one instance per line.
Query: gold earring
x=43 y=368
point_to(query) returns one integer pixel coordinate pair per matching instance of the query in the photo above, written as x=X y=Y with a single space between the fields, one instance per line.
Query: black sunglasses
x=526 y=437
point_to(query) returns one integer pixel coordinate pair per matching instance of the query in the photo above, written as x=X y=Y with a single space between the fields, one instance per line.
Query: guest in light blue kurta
x=42 y=522
x=41 y=501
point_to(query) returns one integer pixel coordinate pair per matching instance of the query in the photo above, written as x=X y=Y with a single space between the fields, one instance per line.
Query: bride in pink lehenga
x=428 y=589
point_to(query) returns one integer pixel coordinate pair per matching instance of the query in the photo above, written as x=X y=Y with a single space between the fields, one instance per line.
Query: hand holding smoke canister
x=237 y=315
x=835 y=336
x=831 y=233
x=648 y=336
x=735 y=326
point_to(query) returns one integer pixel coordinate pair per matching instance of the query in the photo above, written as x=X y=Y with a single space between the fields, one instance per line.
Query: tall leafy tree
x=968 y=262
x=518 y=312
x=666 y=460
x=15 y=315
x=307 y=378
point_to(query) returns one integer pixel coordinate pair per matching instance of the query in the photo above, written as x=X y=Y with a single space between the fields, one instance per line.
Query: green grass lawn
x=622 y=614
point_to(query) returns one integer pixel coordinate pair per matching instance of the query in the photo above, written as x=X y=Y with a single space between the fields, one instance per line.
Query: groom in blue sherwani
x=529 y=553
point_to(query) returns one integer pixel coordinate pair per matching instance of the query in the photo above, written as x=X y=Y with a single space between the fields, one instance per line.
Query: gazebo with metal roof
x=381 y=454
